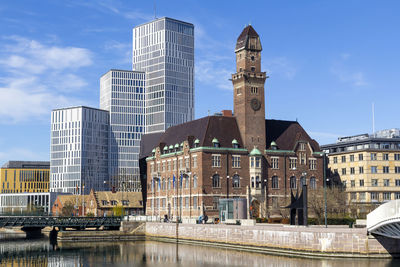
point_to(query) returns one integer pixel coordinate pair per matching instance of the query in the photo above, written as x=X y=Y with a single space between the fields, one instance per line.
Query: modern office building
x=79 y=150
x=368 y=166
x=164 y=49
x=122 y=94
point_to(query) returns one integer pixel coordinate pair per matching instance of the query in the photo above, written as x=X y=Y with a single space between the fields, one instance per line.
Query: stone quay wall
x=281 y=239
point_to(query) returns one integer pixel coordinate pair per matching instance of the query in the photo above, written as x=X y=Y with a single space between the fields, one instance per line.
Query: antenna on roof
x=373 y=119
x=155 y=16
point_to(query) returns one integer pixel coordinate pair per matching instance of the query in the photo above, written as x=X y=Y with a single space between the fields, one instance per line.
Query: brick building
x=189 y=167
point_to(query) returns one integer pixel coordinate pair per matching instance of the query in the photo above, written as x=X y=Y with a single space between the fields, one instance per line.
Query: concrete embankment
x=281 y=239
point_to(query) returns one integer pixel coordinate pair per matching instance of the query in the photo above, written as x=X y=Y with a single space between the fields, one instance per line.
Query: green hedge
x=333 y=221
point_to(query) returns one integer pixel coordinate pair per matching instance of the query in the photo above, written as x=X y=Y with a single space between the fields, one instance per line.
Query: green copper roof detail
x=171 y=147
x=176 y=145
x=153 y=151
x=273 y=143
x=215 y=140
x=165 y=148
x=197 y=141
x=182 y=144
x=255 y=152
x=235 y=142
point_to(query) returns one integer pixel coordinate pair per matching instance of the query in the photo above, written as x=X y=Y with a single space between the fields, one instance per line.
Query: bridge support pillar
x=32 y=232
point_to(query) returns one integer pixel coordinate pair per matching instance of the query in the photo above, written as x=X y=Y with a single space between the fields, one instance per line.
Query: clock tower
x=248 y=90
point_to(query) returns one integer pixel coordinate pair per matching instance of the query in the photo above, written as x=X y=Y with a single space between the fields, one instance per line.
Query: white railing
x=384 y=213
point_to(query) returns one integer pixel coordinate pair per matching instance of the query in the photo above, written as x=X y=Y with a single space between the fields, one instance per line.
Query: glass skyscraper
x=79 y=150
x=164 y=49
x=122 y=93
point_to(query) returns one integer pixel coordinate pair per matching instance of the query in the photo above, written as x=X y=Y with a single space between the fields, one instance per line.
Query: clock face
x=255 y=104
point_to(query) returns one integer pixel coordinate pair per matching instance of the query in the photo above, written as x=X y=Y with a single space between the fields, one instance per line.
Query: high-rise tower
x=164 y=49
x=248 y=83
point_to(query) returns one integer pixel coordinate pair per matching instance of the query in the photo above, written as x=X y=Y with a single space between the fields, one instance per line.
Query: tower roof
x=243 y=39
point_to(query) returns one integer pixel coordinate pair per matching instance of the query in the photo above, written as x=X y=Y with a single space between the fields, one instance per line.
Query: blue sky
x=327 y=61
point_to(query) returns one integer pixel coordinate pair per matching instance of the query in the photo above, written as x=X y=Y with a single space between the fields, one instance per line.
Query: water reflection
x=17 y=251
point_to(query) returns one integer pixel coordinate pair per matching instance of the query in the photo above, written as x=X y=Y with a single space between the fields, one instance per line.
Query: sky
x=327 y=61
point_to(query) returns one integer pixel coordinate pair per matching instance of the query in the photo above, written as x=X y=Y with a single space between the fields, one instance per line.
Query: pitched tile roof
x=244 y=37
x=135 y=199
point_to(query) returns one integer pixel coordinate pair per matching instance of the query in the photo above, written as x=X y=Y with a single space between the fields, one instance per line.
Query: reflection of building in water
x=60 y=260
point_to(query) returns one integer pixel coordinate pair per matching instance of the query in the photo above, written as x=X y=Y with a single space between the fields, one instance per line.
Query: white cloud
x=280 y=66
x=214 y=74
x=36 y=78
x=344 y=74
x=18 y=153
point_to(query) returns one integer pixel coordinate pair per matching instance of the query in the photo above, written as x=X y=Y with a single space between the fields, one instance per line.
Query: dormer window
x=165 y=150
x=171 y=148
x=153 y=152
x=274 y=146
x=176 y=147
x=215 y=142
x=181 y=147
x=196 y=143
x=235 y=143
x=302 y=146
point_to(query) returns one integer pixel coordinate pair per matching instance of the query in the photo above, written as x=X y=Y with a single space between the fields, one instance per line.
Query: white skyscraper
x=164 y=49
x=122 y=93
x=79 y=150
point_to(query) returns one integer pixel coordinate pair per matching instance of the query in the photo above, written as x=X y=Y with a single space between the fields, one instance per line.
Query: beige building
x=368 y=166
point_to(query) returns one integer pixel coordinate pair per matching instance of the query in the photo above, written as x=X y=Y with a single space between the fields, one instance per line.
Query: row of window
x=374 y=196
x=293 y=162
x=373 y=156
x=161 y=203
x=168 y=183
x=374 y=169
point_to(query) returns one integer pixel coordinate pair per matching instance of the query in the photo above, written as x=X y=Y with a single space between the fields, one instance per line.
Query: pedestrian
x=205 y=219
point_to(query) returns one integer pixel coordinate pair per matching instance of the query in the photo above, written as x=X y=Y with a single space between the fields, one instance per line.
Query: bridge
x=36 y=223
x=385 y=220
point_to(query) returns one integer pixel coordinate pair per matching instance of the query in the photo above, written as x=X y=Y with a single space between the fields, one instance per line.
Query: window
x=258 y=162
x=361 y=182
x=302 y=181
x=180 y=163
x=169 y=183
x=215 y=203
x=252 y=162
x=361 y=196
x=235 y=161
x=293 y=182
x=258 y=182
x=397 y=195
x=313 y=183
x=275 y=163
x=163 y=166
x=252 y=182
x=374 y=196
x=373 y=156
x=195 y=202
x=353 y=183
x=361 y=169
x=386 y=182
x=215 y=180
x=186 y=202
x=353 y=196
x=343 y=171
x=360 y=157
x=187 y=182
x=397 y=182
x=386 y=195
x=351 y=158
x=187 y=163
x=302 y=146
x=374 y=169
x=385 y=169
x=293 y=163
x=334 y=159
x=397 y=169
x=275 y=182
x=104 y=202
x=313 y=164
x=236 y=181
x=169 y=165
x=195 y=181
x=385 y=156
x=253 y=69
x=194 y=161
x=216 y=160
x=238 y=91
x=396 y=156
x=254 y=90
x=352 y=171
x=374 y=182
x=113 y=202
x=302 y=158
x=343 y=158
x=174 y=165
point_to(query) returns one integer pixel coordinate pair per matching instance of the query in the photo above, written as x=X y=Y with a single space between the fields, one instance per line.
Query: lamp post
x=83 y=199
x=266 y=203
x=227 y=186
x=325 y=196
x=305 y=208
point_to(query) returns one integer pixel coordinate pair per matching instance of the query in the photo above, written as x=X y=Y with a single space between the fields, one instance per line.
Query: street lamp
x=266 y=203
x=325 y=196
x=305 y=208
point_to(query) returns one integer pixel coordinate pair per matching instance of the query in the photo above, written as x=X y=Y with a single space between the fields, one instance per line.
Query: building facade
x=368 y=166
x=122 y=94
x=164 y=49
x=79 y=150
x=192 y=165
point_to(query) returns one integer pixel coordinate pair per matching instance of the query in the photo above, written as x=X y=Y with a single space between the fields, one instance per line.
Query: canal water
x=15 y=250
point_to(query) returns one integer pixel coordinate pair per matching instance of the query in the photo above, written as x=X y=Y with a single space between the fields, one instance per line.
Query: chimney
x=227 y=113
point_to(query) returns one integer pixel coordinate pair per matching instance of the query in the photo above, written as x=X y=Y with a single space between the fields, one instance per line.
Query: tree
x=336 y=202
x=68 y=209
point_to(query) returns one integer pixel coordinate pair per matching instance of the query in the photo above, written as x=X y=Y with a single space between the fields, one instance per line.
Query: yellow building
x=25 y=177
x=368 y=166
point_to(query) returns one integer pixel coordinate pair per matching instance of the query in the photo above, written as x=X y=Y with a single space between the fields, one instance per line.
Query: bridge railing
x=383 y=213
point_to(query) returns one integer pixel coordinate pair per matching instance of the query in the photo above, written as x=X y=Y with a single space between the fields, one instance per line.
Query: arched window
x=313 y=183
x=302 y=181
x=293 y=184
x=236 y=181
x=194 y=181
x=215 y=180
x=275 y=182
